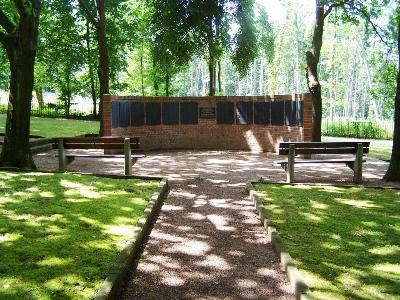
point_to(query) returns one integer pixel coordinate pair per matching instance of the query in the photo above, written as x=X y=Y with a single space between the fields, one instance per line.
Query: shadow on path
x=207 y=244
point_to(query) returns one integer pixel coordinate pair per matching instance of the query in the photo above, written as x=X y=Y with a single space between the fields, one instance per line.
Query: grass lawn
x=380 y=149
x=49 y=127
x=60 y=233
x=380 y=152
x=346 y=241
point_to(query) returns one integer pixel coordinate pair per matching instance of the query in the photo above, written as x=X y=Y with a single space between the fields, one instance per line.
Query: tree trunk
x=261 y=79
x=393 y=173
x=21 y=52
x=141 y=70
x=39 y=96
x=211 y=70
x=104 y=59
x=363 y=55
x=167 y=83
x=312 y=59
x=219 y=78
x=91 y=75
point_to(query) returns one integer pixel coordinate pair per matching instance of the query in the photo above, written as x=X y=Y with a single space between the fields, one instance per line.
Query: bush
x=357 y=129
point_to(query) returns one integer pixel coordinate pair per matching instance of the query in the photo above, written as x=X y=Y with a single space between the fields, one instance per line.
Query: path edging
x=287 y=263
x=112 y=285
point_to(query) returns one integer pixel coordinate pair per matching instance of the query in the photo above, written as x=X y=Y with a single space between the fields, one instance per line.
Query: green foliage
x=266 y=34
x=60 y=233
x=385 y=84
x=60 y=53
x=354 y=258
x=171 y=46
x=246 y=38
x=4 y=70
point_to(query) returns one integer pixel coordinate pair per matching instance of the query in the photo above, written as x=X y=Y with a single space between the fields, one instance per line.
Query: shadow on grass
x=60 y=233
x=345 y=240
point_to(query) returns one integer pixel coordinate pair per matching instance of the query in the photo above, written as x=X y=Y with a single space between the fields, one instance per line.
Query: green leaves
x=246 y=39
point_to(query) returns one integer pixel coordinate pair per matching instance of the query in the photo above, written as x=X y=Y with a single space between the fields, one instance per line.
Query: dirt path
x=207 y=244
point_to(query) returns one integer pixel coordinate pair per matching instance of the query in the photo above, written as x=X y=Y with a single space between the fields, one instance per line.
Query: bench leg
x=62 y=159
x=128 y=160
x=358 y=164
x=290 y=165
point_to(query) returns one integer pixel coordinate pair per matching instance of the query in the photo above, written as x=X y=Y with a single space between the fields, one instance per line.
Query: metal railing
x=358 y=128
x=81 y=108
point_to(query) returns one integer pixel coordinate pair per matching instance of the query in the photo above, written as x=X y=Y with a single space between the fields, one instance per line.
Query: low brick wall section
x=256 y=123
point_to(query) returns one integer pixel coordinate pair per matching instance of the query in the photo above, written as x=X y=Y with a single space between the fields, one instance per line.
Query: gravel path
x=207 y=242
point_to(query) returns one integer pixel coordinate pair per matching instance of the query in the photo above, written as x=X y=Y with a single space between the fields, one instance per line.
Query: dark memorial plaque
x=170 y=113
x=153 y=113
x=207 y=112
x=244 y=112
x=189 y=113
x=278 y=113
x=137 y=113
x=124 y=114
x=225 y=112
x=290 y=113
x=299 y=113
x=114 y=114
x=261 y=113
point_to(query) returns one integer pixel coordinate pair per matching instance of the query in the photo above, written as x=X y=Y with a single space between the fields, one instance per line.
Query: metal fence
x=80 y=108
x=358 y=128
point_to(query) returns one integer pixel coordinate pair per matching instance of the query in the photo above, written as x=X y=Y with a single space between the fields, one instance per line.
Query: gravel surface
x=207 y=242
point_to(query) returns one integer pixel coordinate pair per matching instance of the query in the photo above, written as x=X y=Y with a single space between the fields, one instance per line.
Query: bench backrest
x=323 y=147
x=96 y=143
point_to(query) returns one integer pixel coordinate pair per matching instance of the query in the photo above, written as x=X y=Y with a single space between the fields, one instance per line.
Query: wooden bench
x=103 y=143
x=307 y=148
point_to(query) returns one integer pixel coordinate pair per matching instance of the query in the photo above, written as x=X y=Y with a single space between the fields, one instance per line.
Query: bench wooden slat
x=317 y=161
x=110 y=139
x=344 y=150
x=105 y=155
x=98 y=146
x=323 y=144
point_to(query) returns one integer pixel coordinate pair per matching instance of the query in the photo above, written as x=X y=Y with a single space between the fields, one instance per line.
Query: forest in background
x=357 y=71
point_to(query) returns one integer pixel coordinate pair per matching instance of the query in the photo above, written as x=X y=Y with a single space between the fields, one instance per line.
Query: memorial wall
x=256 y=123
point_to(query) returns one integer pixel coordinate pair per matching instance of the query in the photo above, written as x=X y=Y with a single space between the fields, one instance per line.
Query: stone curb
x=112 y=285
x=287 y=263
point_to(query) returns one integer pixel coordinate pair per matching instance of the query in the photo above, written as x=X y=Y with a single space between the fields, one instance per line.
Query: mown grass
x=60 y=233
x=346 y=241
x=380 y=152
x=48 y=127
x=379 y=149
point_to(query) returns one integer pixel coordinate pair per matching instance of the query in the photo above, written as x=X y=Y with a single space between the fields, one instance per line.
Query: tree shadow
x=60 y=233
x=345 y=240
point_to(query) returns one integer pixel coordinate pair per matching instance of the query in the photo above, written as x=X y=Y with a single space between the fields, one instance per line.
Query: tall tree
x=60 y=49
x=393 y=172
x=97 y=17
x=351 y=11
x=312 y=59
x=19 y=23
x=171 y=46
x=210 y=22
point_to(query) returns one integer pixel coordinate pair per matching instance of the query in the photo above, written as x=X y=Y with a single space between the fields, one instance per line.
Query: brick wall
x=207 y=134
